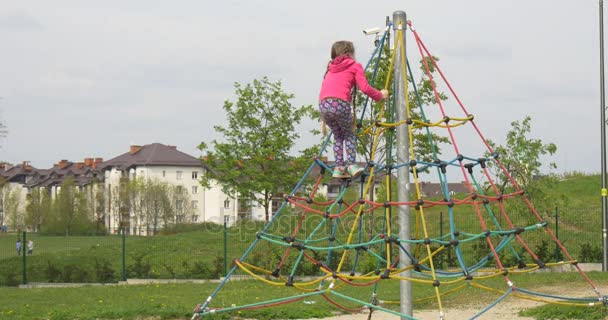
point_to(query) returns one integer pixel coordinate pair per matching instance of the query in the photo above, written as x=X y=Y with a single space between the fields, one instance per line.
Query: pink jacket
x=343 y=72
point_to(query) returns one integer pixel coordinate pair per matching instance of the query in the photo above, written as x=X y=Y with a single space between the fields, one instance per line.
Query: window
x=179 y=205
x=194 y=204
x=164 y=173
x=178 y=175
x=178 y=189
x=194 y=189
x=194 y=175
x=195 y=218
x=227 y=204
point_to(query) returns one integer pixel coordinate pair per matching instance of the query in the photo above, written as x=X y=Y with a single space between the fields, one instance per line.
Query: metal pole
x=603 y=146
x=556 y=234
x=124 y=255
x=441 y=234
x=23 y=249
x=403 y=156
x=226 y=245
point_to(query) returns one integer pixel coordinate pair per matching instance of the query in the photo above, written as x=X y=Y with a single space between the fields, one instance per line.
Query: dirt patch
x=507 y=309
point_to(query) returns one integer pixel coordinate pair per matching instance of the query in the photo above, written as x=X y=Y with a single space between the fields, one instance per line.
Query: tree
x=253 y=161
x=156 y=204
x=69 y=214
x=12 y=206
x=37 y=209
x=182 y=204
x=423 y=149
x=521 y=156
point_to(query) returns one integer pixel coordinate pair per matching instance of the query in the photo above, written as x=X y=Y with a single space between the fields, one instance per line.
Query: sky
x=87 y=79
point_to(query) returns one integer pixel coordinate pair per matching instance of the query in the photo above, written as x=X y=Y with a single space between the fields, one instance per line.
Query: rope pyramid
x=349 y=243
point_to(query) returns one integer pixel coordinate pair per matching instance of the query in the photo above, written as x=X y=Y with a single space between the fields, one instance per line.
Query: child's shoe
x=354 y=170
x=339 y=172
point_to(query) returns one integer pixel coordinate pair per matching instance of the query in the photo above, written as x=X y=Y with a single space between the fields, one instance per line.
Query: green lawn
x=175 y=301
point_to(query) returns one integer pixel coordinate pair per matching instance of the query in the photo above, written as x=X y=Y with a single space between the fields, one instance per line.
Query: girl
x=343 y=72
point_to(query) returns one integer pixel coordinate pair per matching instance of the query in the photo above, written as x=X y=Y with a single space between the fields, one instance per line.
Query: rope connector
x=289 y=239
x=276 y=273
x=436 y=283
x=486 y=201
x=443 y=166
x=456 y=233
x=451 y=204
x=454 y=242
x=487 y=233
x=420 y=202
x=469 y=167
x=540 y=263
x=361 y=201
x=409 y=121
x=331 y=238
x=495 y=155
x=473 y=196
x=446 y=119
x=460 y=157
x=385 y=275
x=289 y=282
x=309 y=200
x=413 y=163
x=482 y=162
x=386 y=204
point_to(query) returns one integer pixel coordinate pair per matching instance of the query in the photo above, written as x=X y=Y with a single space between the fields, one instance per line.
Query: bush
x=140 y=269
x=11 y=279
x=103 y=271
x=590 y=253
x=75 y=273
x=53 y=274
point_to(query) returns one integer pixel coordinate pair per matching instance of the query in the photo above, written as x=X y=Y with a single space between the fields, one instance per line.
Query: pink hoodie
x=343 y=72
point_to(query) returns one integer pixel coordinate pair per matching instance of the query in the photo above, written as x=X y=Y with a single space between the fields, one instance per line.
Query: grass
x=175 y=301
x=195 y=254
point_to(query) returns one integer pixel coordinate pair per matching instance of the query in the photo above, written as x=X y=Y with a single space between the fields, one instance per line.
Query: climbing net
x=335 y=248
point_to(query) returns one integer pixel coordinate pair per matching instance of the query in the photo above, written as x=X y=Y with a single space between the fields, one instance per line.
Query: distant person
x=30 y=247
x=18 y=246
x=343 y=72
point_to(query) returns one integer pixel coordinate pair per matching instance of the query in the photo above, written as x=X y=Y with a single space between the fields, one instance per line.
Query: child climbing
x=343 y=72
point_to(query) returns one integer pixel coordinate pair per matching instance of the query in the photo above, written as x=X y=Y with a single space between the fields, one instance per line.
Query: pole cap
x=399 y=20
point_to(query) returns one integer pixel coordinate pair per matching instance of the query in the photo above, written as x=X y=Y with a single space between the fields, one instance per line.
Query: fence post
x=23 y=250
x=124 y=255
x=226 y=244
x=441 y=234
x=556 y=234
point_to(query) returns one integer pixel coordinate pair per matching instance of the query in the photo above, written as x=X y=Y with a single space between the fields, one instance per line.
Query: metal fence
x=208 y=251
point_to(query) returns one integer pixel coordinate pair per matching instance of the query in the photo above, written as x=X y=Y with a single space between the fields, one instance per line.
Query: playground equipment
x=345 y=245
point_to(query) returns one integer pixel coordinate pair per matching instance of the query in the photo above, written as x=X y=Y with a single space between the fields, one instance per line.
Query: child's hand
x=384 y=93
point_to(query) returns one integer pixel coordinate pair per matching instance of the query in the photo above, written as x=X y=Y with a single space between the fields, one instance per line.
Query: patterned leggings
x=338 y=117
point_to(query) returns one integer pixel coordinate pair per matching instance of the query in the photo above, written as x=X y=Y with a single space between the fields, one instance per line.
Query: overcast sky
x=87 y=79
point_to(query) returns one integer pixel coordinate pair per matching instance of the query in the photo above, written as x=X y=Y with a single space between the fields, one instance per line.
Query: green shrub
x=140 y=269
x=103 y=271
x=75 y=273
x=590 y=253
x=53 y=274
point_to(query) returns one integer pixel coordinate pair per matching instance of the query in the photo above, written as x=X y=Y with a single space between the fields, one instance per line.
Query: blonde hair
x=342 y=47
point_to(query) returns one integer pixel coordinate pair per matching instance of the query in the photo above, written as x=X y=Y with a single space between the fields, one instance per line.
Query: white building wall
x=210 y=202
